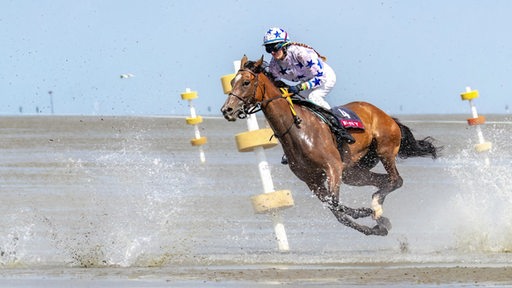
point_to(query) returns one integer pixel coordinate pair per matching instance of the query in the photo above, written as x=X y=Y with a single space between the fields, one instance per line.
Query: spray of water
x=482 y=215
x=131 y=208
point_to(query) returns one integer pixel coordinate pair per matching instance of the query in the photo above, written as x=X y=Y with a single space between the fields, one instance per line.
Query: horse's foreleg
x=330 y=195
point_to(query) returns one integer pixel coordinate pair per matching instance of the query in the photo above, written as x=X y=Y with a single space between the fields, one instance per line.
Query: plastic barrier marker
x=194 y=120
x=257 y=140
x=482 y=145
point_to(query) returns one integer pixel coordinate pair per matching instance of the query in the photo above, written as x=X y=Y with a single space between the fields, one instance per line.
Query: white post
x=266 y=179
x=196 y=127
x=475 y=115
x=479 y=133
x=268 y=186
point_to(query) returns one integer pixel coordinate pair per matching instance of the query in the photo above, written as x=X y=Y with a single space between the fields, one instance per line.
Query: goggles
x=273 y=47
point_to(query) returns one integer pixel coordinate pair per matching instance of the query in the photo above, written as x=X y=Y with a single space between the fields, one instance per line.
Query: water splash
x=482 y=218
x=125 y=209
x=13 y=240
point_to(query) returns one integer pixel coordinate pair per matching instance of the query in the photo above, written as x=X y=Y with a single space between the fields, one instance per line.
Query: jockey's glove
x=295 y=89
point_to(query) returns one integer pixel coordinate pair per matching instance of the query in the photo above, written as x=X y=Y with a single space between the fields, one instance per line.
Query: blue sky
x=407 y=57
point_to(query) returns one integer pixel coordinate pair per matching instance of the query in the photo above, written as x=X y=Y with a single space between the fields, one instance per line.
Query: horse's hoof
x=384 y=223
x=379 y=230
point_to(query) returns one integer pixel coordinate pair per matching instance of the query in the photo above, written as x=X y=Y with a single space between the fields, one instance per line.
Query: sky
x=406 y=57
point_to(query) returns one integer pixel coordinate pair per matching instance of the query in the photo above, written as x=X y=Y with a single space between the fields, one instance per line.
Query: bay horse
x=313 y=152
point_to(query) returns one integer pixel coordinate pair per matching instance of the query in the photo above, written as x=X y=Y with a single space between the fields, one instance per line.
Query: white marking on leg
x=377 y=208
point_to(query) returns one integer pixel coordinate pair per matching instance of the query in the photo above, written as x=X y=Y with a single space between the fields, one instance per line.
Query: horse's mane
x=251 y=65
x=263 y=68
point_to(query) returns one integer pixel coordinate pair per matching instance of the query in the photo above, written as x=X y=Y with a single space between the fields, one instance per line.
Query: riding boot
x=340 y=131
x=345 y=135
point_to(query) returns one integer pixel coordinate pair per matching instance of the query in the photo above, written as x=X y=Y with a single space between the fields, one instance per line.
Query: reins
x=249 y=108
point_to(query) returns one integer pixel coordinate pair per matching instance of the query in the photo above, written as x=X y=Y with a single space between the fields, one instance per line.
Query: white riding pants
x=317 y=94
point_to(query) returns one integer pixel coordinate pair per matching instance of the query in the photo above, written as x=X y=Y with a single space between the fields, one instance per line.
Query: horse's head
x=243 y=96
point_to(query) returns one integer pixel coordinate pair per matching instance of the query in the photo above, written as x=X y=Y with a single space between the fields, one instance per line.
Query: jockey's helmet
x=275 y=35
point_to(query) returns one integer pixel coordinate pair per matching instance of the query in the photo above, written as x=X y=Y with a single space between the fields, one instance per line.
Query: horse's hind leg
x=343 y=218
x=394 y=181
x=360 y=175
x=329 y=194
x=356 y=213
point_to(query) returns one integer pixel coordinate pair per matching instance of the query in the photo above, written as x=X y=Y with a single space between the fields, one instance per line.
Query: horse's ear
x=259 y=62
x=243 y=61
x=258 y=65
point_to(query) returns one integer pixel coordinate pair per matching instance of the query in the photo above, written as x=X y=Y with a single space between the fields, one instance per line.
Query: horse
x=313 y=153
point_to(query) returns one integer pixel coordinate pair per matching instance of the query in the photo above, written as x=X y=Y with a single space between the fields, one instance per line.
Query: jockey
x=299 y=63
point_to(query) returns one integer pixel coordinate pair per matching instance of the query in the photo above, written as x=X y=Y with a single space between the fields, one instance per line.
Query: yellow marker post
x=256 y=140
x=195 y=120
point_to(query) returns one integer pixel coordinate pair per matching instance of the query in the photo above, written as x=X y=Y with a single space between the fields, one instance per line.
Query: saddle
x=339 y=119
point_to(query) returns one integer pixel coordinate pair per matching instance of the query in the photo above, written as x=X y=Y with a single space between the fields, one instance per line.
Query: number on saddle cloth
x=347 y=117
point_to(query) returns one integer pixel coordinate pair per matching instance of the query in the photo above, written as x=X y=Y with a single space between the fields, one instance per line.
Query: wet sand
x=257 y=276
x=356 y=276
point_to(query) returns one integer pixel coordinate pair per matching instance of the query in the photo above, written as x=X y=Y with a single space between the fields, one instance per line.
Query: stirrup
x=284 y=160
x=340 y=131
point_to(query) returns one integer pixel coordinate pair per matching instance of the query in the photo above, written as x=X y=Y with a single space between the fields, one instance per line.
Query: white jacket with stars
x=302 y=65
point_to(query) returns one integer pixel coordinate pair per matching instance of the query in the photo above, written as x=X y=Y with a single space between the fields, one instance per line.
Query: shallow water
x=131 y=193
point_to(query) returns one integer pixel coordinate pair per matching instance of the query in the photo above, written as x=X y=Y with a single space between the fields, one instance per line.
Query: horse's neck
x=276 y=111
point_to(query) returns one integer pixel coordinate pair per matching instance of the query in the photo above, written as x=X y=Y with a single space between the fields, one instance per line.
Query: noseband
x=248 y=107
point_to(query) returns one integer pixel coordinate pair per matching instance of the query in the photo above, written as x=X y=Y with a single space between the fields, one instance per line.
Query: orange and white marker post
x=194 y=120
x=477 y=120
x=257 y=140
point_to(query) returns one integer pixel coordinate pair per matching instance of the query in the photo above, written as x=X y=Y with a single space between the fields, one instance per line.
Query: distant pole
x=194 y=119
x=51 y=100
x=477 y=120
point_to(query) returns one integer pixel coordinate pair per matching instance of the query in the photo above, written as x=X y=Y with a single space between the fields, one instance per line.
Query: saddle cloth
x=347 y=117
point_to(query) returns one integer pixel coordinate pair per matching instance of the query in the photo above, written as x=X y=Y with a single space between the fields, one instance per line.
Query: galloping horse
x=312 y=150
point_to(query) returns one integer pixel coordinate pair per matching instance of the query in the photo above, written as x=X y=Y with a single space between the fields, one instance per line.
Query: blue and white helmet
x=275 y=35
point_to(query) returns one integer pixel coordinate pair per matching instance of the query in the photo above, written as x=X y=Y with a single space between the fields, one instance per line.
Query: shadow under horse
x=313 y=152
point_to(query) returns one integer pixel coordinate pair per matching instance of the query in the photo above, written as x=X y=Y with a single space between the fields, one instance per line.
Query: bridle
x=249 y=107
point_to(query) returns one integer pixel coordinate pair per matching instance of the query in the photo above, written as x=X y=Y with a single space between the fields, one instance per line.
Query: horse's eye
x=247 y=82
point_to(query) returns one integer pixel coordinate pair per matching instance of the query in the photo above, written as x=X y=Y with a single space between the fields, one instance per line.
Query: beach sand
x=357 y=276
x=257 y=276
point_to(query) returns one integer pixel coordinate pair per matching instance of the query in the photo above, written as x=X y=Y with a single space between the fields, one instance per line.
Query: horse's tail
x=410 y=147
